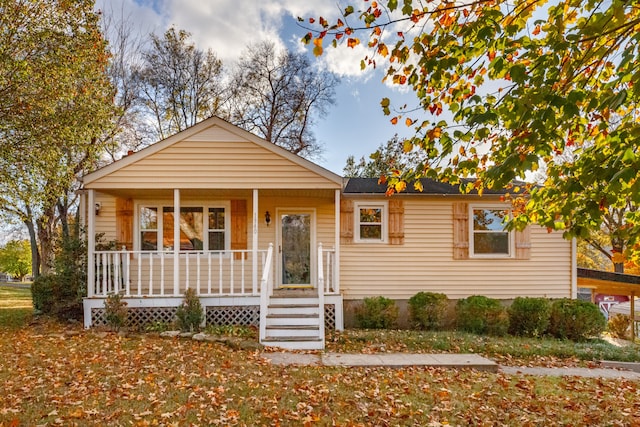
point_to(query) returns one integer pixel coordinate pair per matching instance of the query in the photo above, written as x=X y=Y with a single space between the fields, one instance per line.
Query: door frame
x=313 y=276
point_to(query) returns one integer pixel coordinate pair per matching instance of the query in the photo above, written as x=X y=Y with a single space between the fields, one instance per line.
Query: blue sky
x=354 y=126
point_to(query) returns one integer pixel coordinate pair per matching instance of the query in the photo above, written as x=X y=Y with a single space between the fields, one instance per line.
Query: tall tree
x=180 y=85
x=56 y=102
x=278 y=95
x=522 y=80
x=387 y=158
x=15 y=258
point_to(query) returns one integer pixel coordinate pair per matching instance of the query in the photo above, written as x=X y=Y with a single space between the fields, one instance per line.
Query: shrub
x=377 y=313
x=189 y=313
x=575 y=320
x=116 y=311
x=426 y=310
x=481 y=315
x=529 y=317
x=42 y=293
x=53 y=296
x=619 y=326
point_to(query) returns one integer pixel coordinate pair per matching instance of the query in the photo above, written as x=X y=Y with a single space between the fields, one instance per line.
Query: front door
x=295 y=249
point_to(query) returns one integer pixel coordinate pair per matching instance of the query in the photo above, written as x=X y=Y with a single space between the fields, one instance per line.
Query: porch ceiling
x=605 y=282
x=216 y=193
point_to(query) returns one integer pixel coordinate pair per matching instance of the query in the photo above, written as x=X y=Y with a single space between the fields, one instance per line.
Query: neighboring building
x=266 y=238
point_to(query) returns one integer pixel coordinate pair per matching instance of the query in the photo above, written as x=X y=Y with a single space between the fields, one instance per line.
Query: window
x=198 y=231
x=371 y=219
x=488 y=235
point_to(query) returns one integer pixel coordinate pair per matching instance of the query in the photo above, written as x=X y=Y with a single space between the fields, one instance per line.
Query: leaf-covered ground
x=57 y=375
x=53 y=374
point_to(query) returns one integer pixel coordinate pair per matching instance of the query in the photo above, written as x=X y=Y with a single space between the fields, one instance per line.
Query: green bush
x=53 y=296
x=426 y=310
x=481 y=315
x=377 y=313
x=575 y=320
x=189 y=314
x=529 y=317
x=43 y=289
x=116 y=311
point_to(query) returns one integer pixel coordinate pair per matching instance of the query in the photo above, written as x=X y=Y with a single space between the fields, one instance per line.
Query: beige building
x=265 y=237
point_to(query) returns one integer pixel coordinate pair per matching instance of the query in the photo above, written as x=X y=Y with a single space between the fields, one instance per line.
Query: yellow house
x=267 y=238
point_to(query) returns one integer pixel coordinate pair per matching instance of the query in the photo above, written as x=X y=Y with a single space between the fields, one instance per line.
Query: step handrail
x=320 y=295
x=266 y=290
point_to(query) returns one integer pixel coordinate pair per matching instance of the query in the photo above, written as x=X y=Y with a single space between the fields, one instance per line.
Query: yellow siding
x=425 y=263
x=203 y=161
x=106 y=219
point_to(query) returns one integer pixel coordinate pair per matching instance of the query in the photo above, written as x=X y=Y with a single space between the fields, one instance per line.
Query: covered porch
x=285 y=242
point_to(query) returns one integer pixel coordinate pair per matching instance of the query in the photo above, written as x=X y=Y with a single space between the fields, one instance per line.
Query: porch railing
x=151 y=273
x=327 y=263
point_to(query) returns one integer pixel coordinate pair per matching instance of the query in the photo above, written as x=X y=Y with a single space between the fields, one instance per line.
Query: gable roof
x=430 y=187
x=213 y=146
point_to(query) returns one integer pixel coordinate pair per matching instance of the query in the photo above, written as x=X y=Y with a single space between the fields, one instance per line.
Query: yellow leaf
x=407 y=146
x=400 y=186
x=382 y=49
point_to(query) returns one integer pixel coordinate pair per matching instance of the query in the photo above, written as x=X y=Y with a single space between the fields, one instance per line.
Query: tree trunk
x=35 y=255
x=46 y=232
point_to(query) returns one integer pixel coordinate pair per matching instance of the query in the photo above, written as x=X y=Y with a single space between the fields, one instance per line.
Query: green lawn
x=15 y=306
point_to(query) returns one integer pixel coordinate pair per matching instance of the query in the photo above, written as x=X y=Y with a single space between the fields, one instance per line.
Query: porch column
x=176 y=241
x=91 y=244
x=336 y=239
x=254 y=244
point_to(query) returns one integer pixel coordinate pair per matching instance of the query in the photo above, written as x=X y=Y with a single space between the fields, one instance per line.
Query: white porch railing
x=327 y=263
x=151 y=273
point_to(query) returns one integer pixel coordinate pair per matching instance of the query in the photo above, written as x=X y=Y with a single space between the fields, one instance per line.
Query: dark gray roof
x=430 y=186
x=608 y=276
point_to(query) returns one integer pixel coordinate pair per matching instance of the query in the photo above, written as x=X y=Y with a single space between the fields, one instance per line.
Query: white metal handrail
x=321 y=291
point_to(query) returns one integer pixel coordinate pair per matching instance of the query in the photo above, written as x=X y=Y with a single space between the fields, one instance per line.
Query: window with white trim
x=488 y=235
x=370 y=222
x=201 y=228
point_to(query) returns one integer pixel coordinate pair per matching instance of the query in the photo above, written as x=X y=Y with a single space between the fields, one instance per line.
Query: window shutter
x=396 y=221
x=346 y=221
x=124 y=222
x=238 y=226
x=460 y=230
x=523 y=244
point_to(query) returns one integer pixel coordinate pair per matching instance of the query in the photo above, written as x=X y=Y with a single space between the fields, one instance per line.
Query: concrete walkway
x=454 y=361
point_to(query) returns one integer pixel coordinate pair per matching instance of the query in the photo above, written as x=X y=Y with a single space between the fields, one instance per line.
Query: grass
x=504 y=349
x=61 y=374
x=15 y=306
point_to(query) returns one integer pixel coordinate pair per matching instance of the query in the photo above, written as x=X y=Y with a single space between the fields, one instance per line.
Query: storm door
x=295 y=249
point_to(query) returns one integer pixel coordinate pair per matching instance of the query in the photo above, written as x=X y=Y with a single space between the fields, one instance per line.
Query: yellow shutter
x=346 y=221
x=124 y=222
x=523 y=244
x=396 y=221
x=238 y=226
x=460 y=230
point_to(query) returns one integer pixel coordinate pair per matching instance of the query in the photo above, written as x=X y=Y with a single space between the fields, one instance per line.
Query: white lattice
x=138 y=317
x=233 y=316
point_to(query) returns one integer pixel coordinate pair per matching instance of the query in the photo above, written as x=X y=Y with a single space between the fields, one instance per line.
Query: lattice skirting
x=139 y=317
x=233 y=316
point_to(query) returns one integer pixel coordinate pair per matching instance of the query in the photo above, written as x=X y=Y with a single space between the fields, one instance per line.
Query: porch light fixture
x=98 y=206
x=267 y=218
